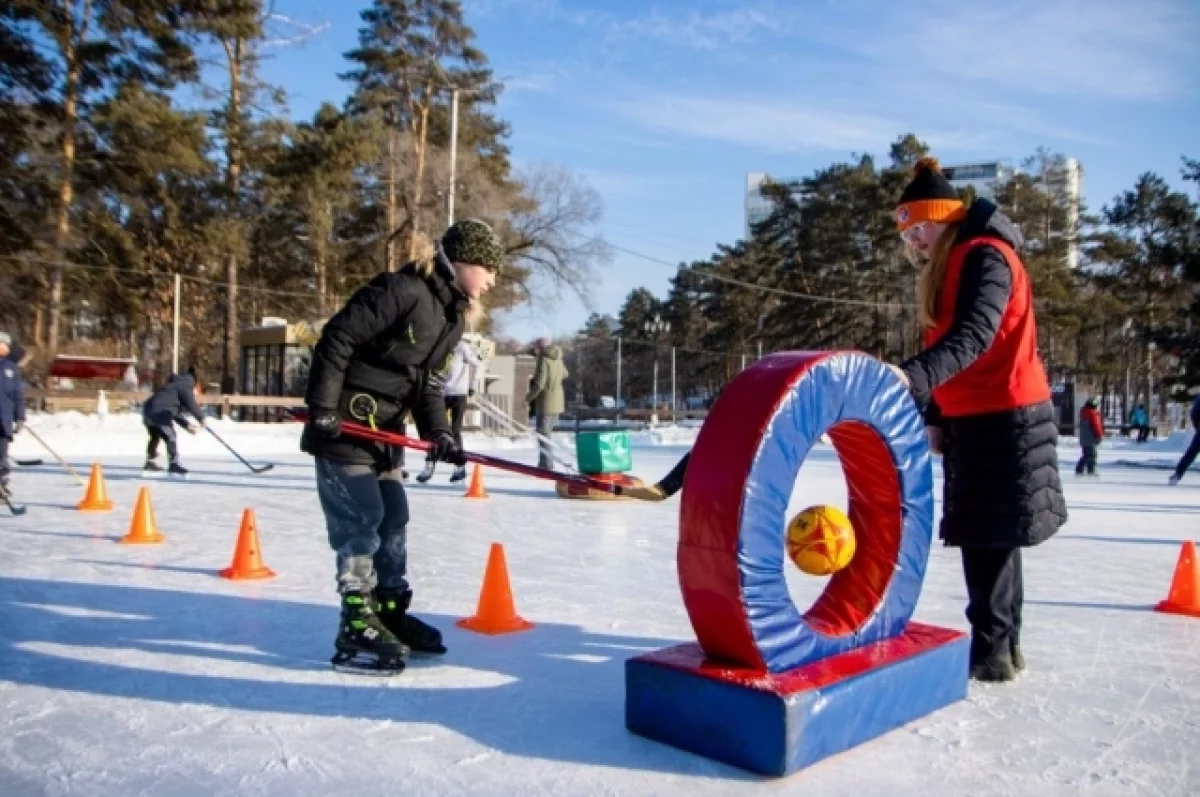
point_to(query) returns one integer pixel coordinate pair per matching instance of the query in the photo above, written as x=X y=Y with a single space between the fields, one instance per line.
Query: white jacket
x=465 y=370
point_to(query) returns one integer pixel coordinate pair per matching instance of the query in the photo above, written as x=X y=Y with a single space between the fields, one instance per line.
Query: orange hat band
x=941 y=211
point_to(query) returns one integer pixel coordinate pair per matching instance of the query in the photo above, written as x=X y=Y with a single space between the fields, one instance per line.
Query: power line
x=158 y=275
x=708 y=274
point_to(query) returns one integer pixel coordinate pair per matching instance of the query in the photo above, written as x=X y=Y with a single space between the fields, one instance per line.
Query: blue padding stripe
x=841 y=387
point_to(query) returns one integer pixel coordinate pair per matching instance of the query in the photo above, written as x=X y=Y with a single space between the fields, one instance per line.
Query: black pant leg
x=3 y=458
x=457 y=407
x=1018 y=596
x=152 y=446
x=993 y=583
x=167 y=434
x=1189 y=456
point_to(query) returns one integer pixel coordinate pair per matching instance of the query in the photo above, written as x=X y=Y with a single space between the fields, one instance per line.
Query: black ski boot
x=421 y=637
x=364 y=644
x=177 y=470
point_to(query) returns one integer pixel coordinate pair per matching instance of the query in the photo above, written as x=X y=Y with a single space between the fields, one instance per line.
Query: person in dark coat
x=12 y=401
x=383 y=355
x=1091 y=432
x=983 y=390
x=1193 y=449
x=162 y=411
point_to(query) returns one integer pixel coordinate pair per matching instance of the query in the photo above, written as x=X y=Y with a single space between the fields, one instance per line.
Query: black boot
x=421 y=637
x=364 y=643
x=177 y=470
x=994 y=669
x=1018 y=659
x=151 y=467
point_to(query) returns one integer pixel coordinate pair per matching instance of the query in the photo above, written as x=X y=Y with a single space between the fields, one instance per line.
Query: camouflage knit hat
x=472 y=241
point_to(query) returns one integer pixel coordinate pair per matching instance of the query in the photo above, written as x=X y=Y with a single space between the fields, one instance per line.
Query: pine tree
x=410 y=54
x=89 y=43
x=1144 y=253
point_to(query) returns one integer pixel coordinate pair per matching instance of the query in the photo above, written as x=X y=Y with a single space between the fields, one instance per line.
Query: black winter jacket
x=392 y=342
x=169 y=401
x=1002 y=487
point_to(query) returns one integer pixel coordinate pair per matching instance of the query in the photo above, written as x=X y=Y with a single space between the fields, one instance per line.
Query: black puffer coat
x=392 y=342
x=1002 y=487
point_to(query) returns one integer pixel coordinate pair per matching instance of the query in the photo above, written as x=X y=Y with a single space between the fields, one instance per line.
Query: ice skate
x=364 y=644
x=460 y=474
x=420 y=637
x=177 y=471
x=427 y=474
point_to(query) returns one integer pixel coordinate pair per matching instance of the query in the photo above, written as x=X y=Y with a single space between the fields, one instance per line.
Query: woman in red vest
x=986 y=401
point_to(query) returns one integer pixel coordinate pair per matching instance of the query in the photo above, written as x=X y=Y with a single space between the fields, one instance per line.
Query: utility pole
x=453 y=155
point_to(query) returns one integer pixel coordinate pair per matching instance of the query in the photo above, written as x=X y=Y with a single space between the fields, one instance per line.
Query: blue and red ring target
x=735 y=496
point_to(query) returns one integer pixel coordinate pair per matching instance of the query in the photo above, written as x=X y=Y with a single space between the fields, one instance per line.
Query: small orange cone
x=96 y=498
x=143 y=530
x=247 y=556
x=476 y=489
x=1184 y=597
x=496 y=613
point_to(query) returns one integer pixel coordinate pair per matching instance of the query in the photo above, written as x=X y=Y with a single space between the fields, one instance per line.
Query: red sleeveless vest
x=1009 y=374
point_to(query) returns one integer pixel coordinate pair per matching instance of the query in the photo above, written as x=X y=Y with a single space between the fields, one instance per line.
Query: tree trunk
x=318 y=231
x=66 y=191
x=419 y=180
x=233 y=151
x=391 y=197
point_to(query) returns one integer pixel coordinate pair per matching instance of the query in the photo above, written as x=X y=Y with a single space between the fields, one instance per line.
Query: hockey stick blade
x=16 y=509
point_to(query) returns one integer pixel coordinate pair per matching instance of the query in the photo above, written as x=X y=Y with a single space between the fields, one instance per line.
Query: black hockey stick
x=253 y=469
x=28 y=463
x=16 y=509
x=665 y=488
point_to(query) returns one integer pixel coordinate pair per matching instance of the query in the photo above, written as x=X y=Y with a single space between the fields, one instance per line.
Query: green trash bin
x=603 y=452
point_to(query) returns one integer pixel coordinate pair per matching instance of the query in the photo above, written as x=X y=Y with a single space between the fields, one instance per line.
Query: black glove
x=444 y=447
x=326 y=422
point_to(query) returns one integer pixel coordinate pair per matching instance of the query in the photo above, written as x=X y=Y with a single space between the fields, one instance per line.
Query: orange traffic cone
x=96 y=498
x=476 y=489
x=496 y=613
x=143 y=530
x=1184 y=597
x=247 y=556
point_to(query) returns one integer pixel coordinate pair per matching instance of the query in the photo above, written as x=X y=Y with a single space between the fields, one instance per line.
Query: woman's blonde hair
x=929 y=287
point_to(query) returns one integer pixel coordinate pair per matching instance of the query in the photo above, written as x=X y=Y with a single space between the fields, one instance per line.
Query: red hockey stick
x=396 y=439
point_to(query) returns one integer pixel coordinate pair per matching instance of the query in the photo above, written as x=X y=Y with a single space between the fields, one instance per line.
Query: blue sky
x=665 y=106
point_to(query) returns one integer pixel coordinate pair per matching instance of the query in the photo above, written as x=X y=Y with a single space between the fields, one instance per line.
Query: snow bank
x=74 y=434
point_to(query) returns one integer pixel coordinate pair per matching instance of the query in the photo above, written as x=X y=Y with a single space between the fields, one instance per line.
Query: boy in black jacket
x=162 y=411
x=380 y=357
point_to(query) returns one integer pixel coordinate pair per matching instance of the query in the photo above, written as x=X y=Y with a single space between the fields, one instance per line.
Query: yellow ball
x=820 y=540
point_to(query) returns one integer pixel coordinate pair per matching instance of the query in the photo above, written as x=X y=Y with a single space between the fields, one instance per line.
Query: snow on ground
x=135 y=670
x=122 y=434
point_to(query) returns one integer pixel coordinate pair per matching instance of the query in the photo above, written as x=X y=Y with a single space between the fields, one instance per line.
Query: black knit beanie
x=928 y=197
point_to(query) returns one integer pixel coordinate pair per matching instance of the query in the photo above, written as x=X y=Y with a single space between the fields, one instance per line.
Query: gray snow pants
x=366 y=515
